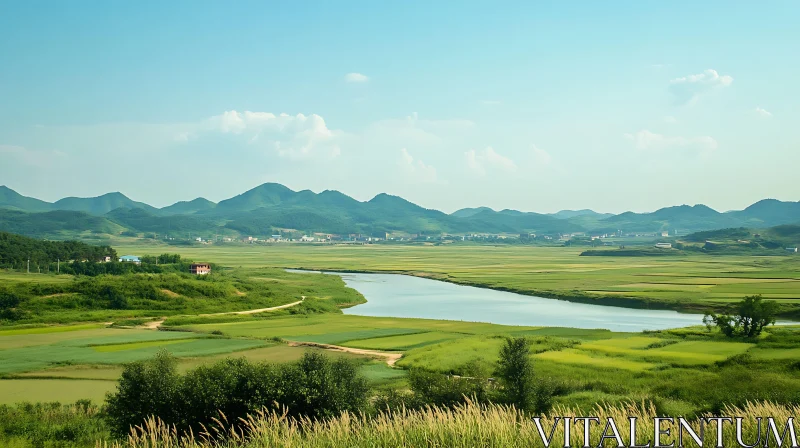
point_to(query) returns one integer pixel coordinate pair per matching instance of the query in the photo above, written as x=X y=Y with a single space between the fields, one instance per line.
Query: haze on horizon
x=534 y=106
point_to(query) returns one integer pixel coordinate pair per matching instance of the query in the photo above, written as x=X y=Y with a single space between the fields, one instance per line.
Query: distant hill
x=567 y=214
x=145 y=221
x=270 y=207
x=99 y=205
x=467 y=212
x=188 y=207
x=512 y=221
x=682 y=217
x=55 y=224
x=262 y=196
x=787 y=235
x=10 y=199
x=769 y=212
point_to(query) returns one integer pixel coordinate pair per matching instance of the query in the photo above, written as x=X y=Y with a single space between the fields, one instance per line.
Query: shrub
x=753 y=315
x=314 y=387
x=145 y=388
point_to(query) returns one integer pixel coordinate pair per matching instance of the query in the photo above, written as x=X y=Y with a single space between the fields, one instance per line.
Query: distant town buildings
x=200 y=268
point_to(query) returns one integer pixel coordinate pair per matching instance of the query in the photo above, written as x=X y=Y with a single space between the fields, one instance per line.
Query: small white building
x=792 y=249
x=307 y=239
x=130 y=259
x=664 y=245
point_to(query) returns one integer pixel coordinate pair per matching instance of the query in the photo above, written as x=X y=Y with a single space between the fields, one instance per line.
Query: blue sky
x=537 y=106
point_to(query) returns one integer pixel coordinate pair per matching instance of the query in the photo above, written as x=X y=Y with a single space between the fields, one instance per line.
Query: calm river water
x=395 y=295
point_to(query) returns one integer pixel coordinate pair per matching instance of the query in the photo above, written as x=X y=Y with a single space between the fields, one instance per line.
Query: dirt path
x=260 y=310
x=391 y=358
x=156 y=324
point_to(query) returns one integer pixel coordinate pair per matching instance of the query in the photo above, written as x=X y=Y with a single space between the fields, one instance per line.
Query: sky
x=535 y=106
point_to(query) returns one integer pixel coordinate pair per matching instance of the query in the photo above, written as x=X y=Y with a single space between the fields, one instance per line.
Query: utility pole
x=29 y=265
x=58 y=265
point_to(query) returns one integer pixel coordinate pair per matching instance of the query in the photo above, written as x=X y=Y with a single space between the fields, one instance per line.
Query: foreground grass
x=465 y=426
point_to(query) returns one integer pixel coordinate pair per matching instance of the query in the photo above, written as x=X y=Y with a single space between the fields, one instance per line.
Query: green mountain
x=682 y=217
x=262 y=196
x=100 y=205
x=263 y=209
x=141 y=220
x=55 y=224
x=188 y=207
x=10 y=199
x=769 y=212
x=467 y=212
x=568 y=214
x=777 y=237
x=513 y=221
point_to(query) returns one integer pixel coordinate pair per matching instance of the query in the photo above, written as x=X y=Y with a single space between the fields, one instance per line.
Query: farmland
x=689 y=283
x=684 y=371
x=591 y=365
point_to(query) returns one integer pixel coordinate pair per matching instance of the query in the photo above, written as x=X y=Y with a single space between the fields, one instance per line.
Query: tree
x=515 y=371
x=753 y=315
x=146 y=388
x=116 y=300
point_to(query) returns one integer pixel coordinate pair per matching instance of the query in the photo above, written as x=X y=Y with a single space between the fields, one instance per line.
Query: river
x=396 y=295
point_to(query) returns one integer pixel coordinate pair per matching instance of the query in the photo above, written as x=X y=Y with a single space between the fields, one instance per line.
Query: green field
x=691 y=283
x=686 y=370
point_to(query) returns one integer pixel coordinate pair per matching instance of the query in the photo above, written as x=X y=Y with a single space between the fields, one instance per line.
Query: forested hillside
x=16 y=250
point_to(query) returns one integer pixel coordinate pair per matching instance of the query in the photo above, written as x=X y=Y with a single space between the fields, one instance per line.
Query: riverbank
x=640 y=303
x=694 y=283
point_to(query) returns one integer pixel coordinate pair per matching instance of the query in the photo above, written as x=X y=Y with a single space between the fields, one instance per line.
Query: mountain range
x=272 y=207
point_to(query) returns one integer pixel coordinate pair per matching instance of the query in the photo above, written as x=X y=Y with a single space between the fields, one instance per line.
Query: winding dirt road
x=390 y=357
x=156 y=324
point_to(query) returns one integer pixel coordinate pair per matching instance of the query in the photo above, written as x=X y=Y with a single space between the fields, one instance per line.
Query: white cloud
x=763 y=112
x=649 y=141
x=356 y=77
x=670 y=119
x=540 y=156
x=480 y=161
x=688 y=88
x=290 y=136
x=416 y=168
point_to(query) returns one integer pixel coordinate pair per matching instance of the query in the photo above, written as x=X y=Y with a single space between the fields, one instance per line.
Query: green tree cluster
x=314 y=387
x=752 y=316
x=16 y=250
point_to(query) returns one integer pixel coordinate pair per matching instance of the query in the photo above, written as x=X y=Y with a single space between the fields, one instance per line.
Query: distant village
x=359 y=238
x=659 y=239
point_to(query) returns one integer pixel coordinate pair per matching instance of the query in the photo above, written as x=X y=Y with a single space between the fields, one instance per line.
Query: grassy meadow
x=694 y=283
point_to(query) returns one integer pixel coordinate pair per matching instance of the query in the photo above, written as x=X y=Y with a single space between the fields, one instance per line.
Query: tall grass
x=468 y=425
